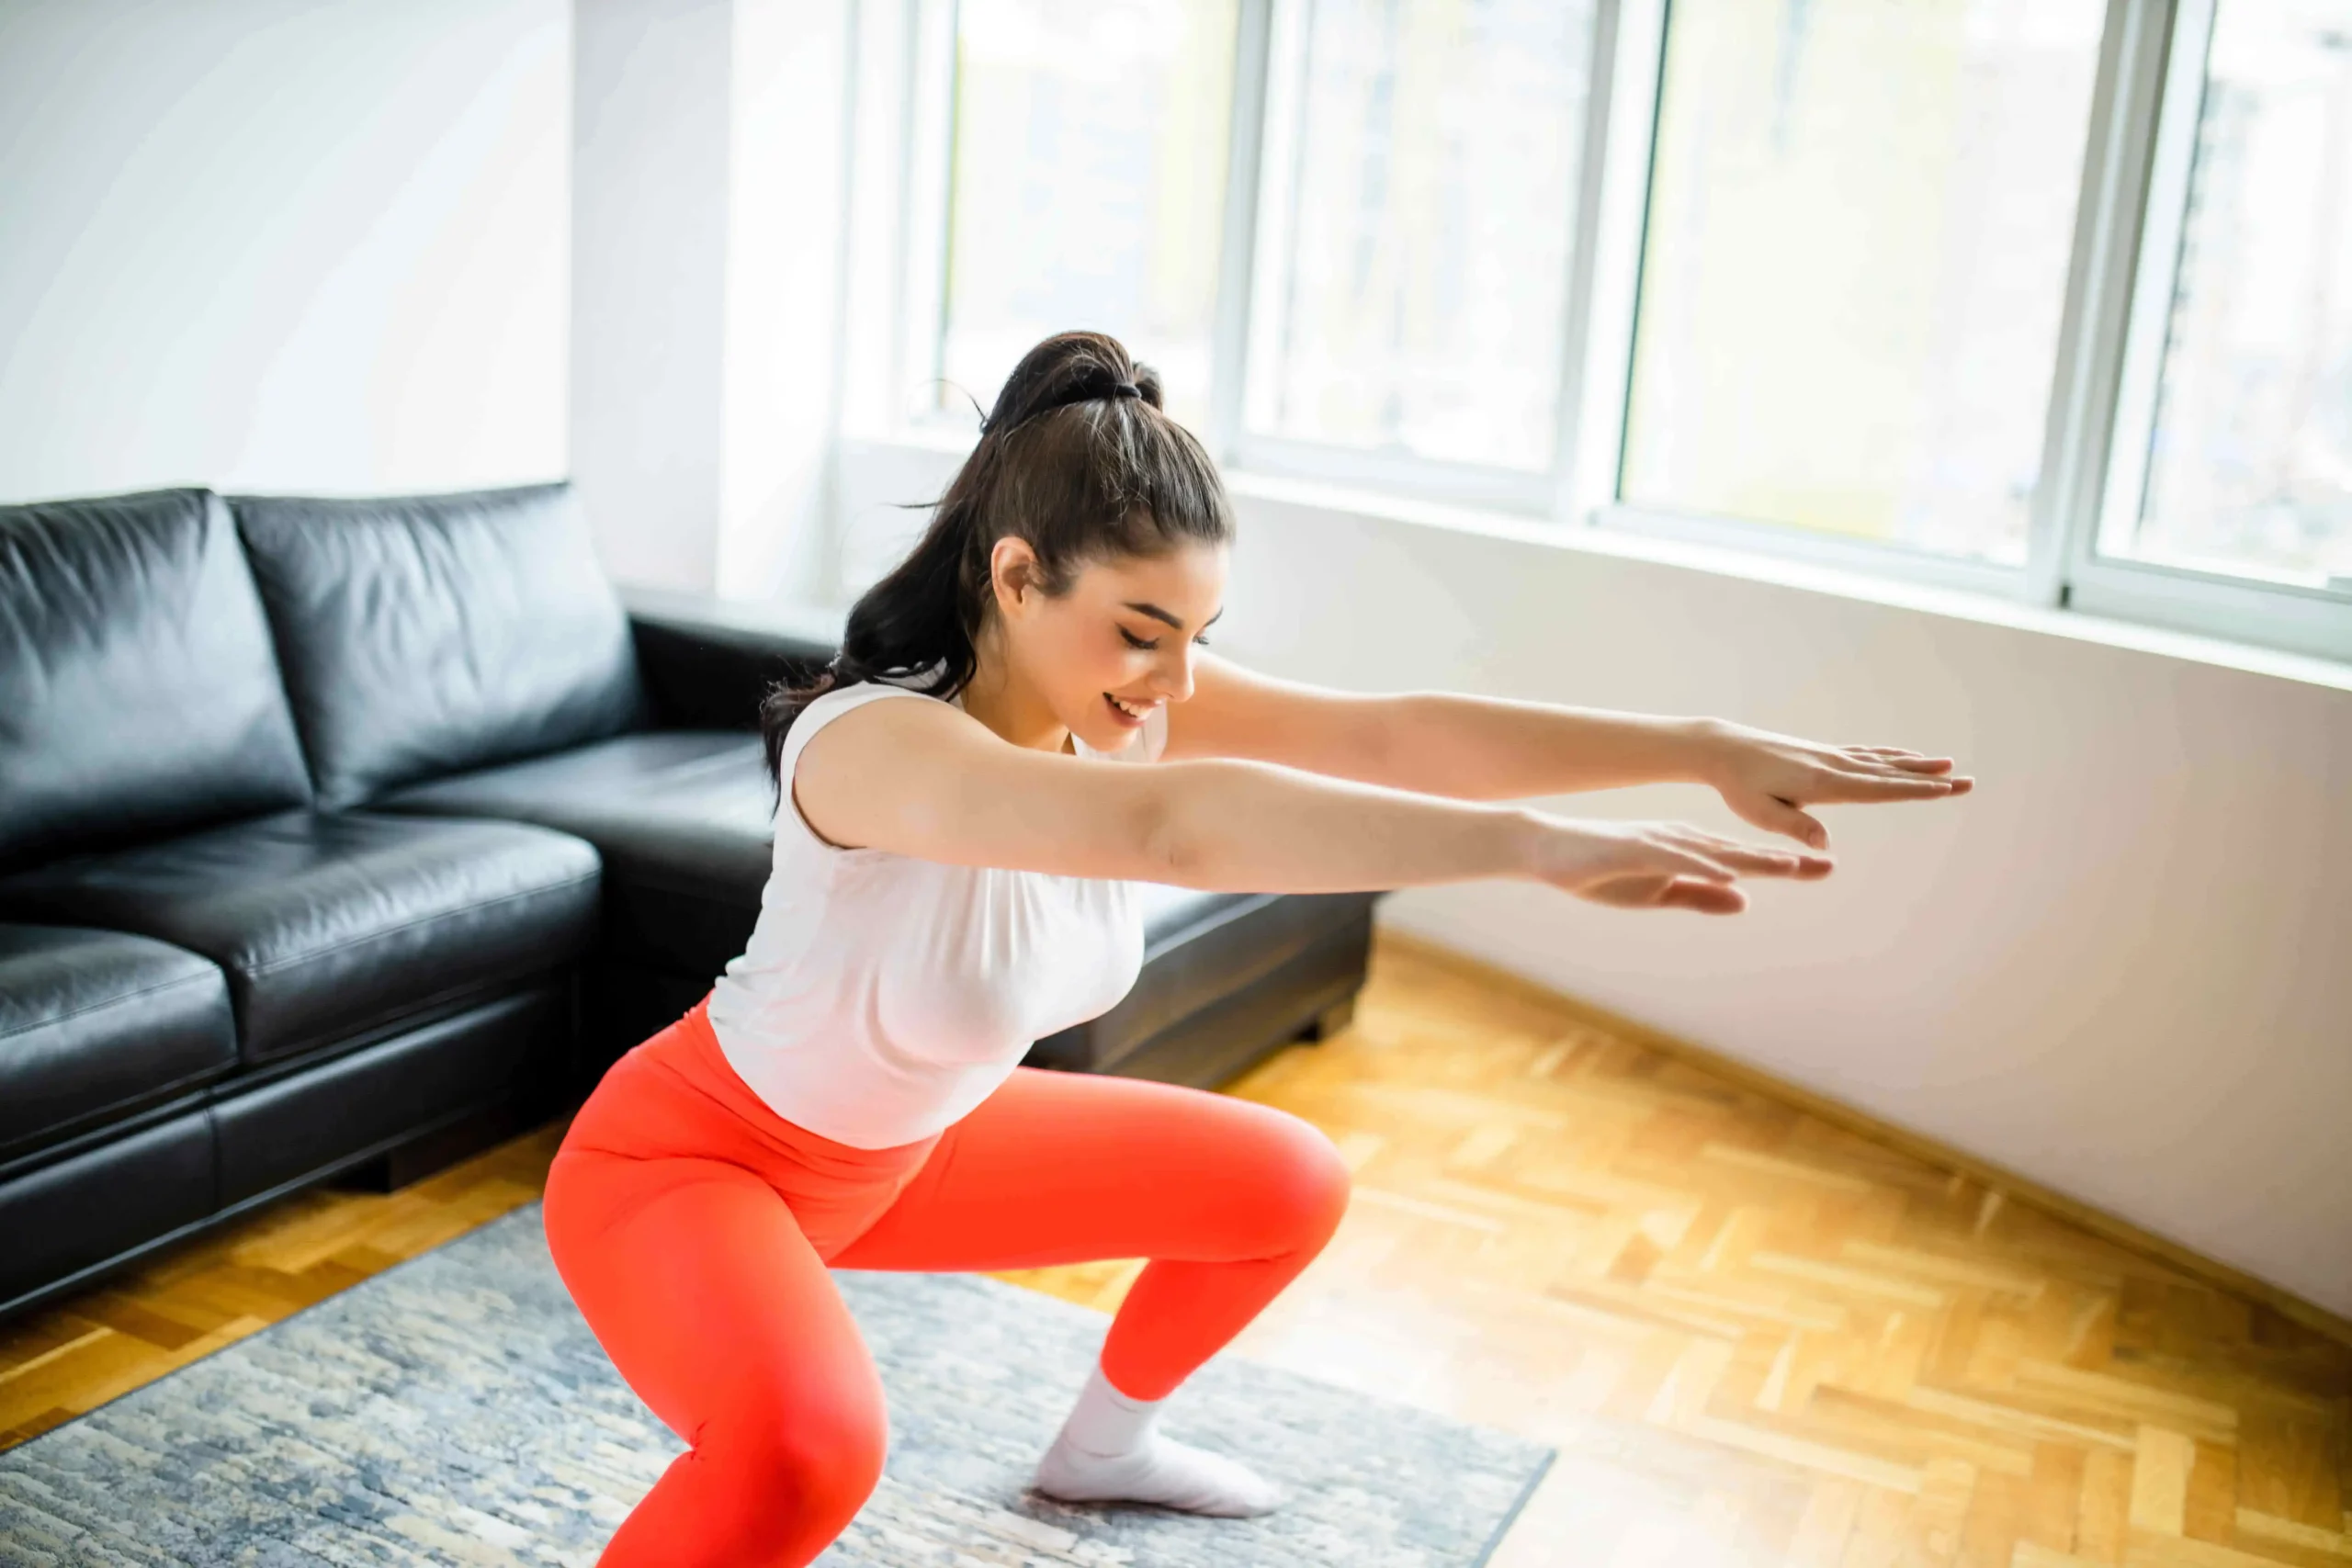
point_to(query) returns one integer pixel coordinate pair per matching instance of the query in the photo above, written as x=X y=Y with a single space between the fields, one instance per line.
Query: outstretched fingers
x=1677 y=866
x=1893 y=786
x=1754 y=859
x=1887 y=762
x=1707 y=898
x=1676 y=852
x=1897 y=754
x=1658 y=890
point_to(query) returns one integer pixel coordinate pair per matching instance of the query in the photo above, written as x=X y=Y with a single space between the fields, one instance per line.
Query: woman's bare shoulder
x=927 y=779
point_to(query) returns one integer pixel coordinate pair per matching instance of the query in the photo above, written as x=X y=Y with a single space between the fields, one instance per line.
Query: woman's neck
x=1015 y=713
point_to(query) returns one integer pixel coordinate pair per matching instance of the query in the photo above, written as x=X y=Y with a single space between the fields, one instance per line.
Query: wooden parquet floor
x=1757 y=1338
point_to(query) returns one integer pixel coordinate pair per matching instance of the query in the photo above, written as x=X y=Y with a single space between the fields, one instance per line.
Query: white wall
x=311 y=245
x=790 y=99
x=708 y=215
x=2118 y=968
x=648 y=283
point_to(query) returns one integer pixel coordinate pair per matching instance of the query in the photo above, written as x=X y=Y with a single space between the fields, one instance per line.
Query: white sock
x=1107 y=1451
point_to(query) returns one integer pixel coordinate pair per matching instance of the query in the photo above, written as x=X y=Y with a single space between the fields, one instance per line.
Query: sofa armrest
x=706 y=663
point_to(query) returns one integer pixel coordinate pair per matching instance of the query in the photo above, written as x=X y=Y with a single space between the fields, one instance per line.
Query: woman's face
x=1128 y=629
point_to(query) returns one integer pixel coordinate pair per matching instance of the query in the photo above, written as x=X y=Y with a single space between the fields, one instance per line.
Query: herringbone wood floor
x=1757 y=1338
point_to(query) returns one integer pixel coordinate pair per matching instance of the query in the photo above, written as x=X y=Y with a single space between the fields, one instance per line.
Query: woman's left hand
x=1766 y=778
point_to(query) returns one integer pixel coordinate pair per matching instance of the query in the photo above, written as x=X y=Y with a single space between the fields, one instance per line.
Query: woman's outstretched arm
x=926 y=780
x=1477 y=748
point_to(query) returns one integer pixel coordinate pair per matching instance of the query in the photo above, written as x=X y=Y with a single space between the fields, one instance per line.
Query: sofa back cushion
x=421 y=636
x=139 y=694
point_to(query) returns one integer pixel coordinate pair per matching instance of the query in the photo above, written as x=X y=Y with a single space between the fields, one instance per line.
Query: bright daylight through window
x=2250 y=468
x=1088 y=186
x=1892 y=284
x=1859 y=221
x=1418 y=206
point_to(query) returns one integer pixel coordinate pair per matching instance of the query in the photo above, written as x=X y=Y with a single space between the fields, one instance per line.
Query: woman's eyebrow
x=1157 y=613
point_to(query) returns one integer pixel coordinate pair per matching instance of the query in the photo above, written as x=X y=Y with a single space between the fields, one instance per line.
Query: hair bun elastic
x=1116 y=390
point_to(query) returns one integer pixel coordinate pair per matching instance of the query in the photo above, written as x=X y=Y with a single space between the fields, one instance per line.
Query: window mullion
x=2172 y=160
x=926 y=218
x=1236 y=256
x=2098 y=311
x=1620 y=102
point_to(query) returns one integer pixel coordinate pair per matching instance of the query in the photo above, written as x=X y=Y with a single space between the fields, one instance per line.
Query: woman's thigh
x=1066 y=1168
x=711 y=1302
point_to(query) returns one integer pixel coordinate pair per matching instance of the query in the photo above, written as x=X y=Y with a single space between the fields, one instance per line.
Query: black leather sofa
x=340 y=839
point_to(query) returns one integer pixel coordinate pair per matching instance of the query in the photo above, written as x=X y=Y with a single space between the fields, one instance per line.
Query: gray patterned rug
x=454 y=1408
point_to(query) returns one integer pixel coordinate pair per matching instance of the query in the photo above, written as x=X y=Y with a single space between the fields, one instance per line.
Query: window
x=1087 y=186
x=1418 y=208
x=2047 y=299
x=2246 y=469
x=1861 y=215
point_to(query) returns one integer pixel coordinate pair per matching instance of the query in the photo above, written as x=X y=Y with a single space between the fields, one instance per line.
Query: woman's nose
x=1177 y=684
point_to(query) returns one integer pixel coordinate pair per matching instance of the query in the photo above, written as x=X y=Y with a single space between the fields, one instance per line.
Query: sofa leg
x=437 y=1150
x=1331 y=1019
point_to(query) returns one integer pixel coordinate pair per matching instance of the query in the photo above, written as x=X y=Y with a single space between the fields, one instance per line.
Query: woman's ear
x=1012 y=571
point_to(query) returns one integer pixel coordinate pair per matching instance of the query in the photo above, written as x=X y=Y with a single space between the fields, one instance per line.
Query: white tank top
x=883 y=995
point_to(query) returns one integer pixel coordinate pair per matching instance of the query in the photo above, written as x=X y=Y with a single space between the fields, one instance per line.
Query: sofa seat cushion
x=336 y=925
x=685 y=820
x=96 y=1025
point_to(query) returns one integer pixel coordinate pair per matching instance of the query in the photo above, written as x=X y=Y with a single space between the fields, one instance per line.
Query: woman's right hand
x=1658 y=865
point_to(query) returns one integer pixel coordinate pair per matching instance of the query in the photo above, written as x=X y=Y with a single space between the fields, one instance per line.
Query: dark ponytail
x=1078 y=458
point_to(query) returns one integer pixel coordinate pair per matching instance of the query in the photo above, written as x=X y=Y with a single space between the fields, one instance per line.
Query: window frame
x=2120 y=275
x=2160 y=112
x=927 y=196
x=2038 y=578
x=1275 y=134
x=925 y=180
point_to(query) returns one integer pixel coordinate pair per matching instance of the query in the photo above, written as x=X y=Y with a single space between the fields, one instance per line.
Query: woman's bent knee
x=1301 y=1191
x=813 y=1464
x=1329 y=1181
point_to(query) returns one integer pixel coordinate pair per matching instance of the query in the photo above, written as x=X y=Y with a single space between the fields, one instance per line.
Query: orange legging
x=695 y=1228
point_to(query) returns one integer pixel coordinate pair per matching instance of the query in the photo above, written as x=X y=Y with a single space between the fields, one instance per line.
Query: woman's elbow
x=1170 y=845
